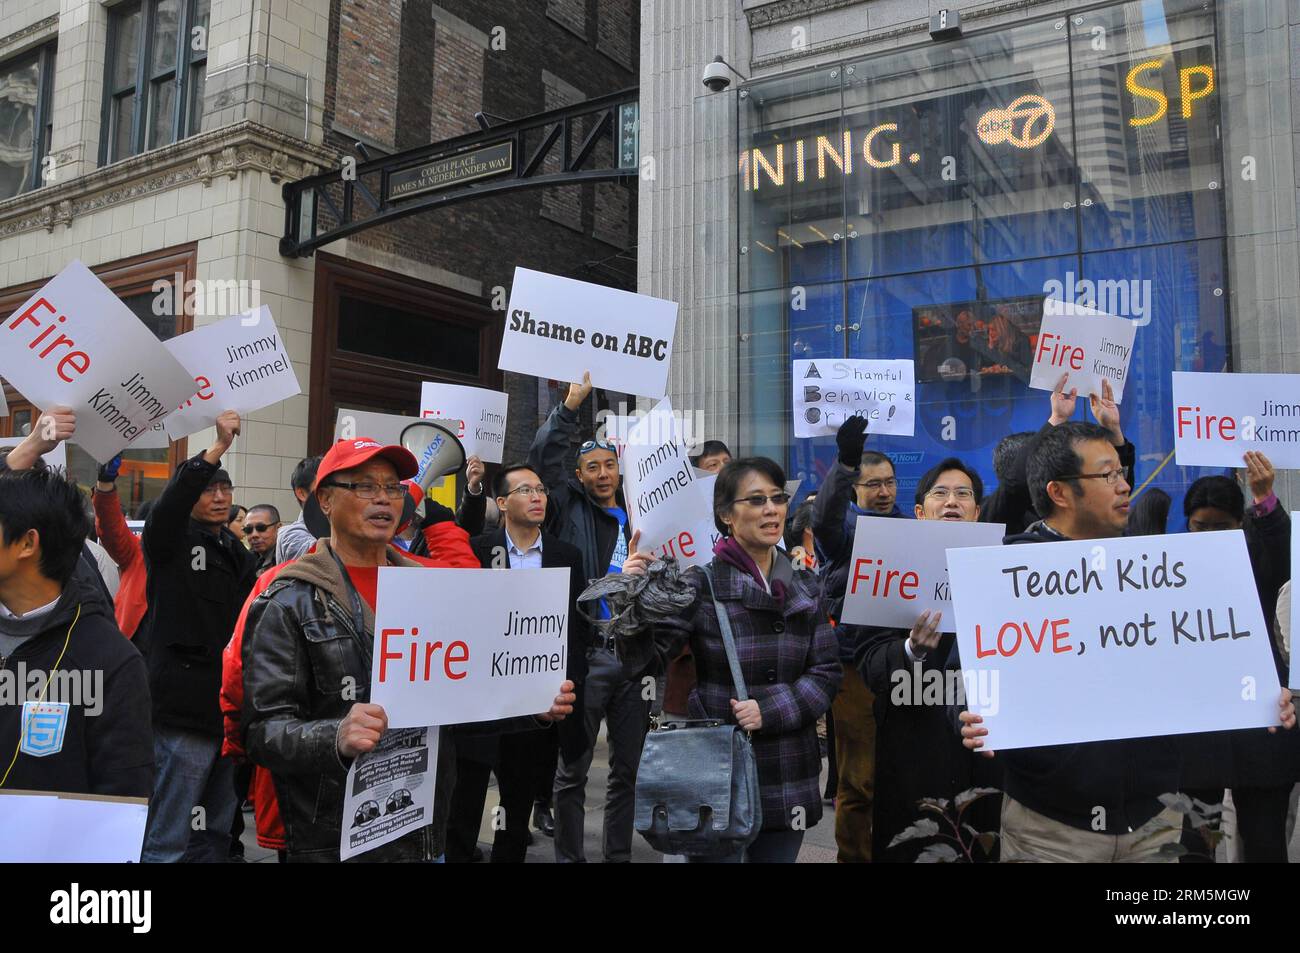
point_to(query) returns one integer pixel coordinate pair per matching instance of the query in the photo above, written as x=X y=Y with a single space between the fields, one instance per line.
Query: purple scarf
x=732 y=553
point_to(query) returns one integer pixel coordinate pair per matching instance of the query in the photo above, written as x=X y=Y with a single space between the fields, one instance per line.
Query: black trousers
x=525 y=762
x=1261 y=823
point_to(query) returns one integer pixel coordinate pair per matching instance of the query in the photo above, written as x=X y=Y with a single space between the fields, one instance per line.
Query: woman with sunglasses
x=785 y=646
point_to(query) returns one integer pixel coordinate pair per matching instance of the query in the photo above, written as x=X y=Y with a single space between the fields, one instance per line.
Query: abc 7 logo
x=1035 y=115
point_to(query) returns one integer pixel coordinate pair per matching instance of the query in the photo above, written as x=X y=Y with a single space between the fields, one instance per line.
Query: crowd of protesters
x=234 y=649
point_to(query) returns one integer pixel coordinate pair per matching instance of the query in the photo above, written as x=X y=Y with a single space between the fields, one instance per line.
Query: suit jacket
x=556 y=554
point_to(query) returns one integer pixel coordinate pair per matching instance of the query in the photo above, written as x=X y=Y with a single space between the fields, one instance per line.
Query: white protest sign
x=461 y=645
x=1218 y=417
x=671 y=503
x=1092 y=640
x=614 y=428
x=481 y=413
x=829 y=392
x=900 y=569
x=155 y=437
x=557 y=328
x=1087 y=344
x=386 y=428
x=389 y=790
x=1294 y=617
x=58 y=457
x=41 y=828
x=74 y=344
x=240 y=364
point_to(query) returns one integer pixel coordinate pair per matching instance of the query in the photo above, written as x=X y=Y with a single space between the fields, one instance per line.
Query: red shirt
x=366 y=578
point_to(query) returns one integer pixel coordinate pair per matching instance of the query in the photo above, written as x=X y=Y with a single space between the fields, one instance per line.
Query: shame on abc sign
x=1024 y=123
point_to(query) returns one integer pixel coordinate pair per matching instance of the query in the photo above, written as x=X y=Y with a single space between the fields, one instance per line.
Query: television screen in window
x=988 y=338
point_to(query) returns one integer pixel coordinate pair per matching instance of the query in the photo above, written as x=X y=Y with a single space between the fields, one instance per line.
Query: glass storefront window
x=922 y=204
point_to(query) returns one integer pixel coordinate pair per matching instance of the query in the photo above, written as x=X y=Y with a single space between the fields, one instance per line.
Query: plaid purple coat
x=790 y=662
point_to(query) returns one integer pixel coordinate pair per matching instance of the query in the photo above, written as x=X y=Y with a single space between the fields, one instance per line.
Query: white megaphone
x=436 y=450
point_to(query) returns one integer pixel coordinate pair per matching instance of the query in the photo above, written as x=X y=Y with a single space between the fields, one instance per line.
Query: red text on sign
x=1012 y=635
x=1205 y=426
x=75 y=361
x=1059 y=354
x=881 y=580
x=455 y=653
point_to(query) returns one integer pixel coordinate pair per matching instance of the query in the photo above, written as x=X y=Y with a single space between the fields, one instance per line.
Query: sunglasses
x=591 y=445
x=258 y=527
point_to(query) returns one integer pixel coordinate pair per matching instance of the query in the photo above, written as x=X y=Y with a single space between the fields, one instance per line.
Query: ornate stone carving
x=791 y=10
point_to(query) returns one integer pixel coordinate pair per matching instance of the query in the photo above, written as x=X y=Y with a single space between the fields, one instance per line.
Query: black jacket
x=109 y=752
x=193 y=603
x=1011 y=505
x=917 y=754
x=304 y=668
x=1251 y=757
x=490 y=549
x=1069 y=782
x=571 y=514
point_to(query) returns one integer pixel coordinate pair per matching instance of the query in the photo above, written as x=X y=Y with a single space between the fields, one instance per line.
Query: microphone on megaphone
x=436 y=450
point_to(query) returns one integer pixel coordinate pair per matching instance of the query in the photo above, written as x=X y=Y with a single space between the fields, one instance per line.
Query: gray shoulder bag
x=697 y=785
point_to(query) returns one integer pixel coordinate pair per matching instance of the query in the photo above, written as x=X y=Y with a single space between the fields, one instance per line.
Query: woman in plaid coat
x=786 y=648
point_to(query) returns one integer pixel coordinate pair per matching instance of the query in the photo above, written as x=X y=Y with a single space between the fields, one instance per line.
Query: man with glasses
x=860 y=483
x=261 y=527
x=307 y=649
x=916 y=752
x=586 y=509
x=1096 y=801
x=198 y=577
x=524 y=762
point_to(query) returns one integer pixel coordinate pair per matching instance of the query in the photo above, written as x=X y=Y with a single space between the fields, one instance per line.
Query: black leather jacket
x=305 y=666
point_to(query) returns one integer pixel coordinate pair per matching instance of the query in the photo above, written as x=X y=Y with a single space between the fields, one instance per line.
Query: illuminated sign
x=1026 y=122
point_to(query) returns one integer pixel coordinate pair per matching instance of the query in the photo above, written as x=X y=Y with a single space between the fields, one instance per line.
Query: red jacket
x=448 y=548
x=123 y=547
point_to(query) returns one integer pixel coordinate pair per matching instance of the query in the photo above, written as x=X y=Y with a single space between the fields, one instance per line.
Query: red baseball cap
x=347 y=454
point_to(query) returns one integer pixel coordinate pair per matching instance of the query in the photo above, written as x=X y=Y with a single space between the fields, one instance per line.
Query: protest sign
x=1091 y=640
x=1218 y=417
x=900 y=569
x=58 y=457
x=614 y=428
x=461 y=645
x=558 y=328
x=481 y=415
x=671 y=503
x=74 y=344
x=829 y=392
x=240 y=364
x=1088 y=345
x=389 y=791
x=47 y=828
x=154 y=437
x=386 y=428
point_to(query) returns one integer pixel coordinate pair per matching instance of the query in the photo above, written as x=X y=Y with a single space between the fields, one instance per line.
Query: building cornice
x=31 y=34
x=227 y=151
x=783 y=10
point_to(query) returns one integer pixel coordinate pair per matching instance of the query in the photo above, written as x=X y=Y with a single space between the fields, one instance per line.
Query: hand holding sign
x=578 y=393
x=474 y=475
x=227 y=425
x=563 y=705
x=1062 y=403
x=360 y=729
x=1259 y=475
x=1106 y=412
x=52 y=428
x=925 y=634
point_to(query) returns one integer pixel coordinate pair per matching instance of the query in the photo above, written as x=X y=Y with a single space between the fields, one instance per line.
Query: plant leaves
x=938 y=854
x=970 y=796
x=1173 y=849
x=921 y=829
x=1178 y=802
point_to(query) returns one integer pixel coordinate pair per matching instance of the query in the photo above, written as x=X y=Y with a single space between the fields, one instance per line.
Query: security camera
x=717 y=75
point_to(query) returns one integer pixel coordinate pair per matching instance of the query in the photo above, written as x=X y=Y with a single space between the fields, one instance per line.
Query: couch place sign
x=452 y=170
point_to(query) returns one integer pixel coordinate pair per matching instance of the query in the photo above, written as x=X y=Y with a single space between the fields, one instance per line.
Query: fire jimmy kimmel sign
x=454 y=170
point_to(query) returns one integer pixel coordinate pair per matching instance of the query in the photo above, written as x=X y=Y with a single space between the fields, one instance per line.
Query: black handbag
x=697 y=785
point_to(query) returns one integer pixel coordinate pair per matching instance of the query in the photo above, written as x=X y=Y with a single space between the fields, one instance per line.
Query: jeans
x=190 y=774
x=770 y=847
x=606 y=694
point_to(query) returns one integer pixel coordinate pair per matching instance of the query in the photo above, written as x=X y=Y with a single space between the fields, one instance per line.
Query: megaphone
x=436 y=450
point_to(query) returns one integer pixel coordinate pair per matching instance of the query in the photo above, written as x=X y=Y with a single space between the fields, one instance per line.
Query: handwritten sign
x=829 y=392
x=1087 y=344
x=461 y=645
x=900 y=569
x=480 y=413
x=1218 y=417
x=240 y=363
x=558 y=328
x=1099 y=639
x=74 y=344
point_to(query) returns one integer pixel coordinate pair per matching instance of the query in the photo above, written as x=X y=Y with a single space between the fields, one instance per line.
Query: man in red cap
x=308 y=647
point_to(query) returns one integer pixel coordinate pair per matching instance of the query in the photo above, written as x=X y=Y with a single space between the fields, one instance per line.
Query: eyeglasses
x=874 y=485
x=370 y=491
x=259 y=527
x=758 y=499
x=591 y=445
x=941 y=493
x=212 y=489
x=1110 y=476
x=529 y=491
